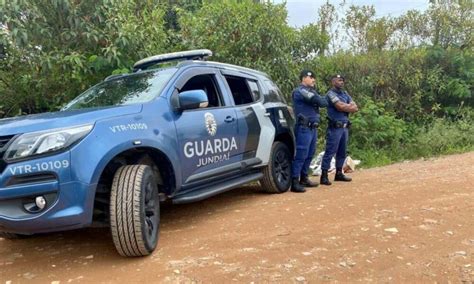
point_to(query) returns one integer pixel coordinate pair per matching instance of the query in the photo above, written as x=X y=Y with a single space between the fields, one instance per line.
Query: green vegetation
x=412 y=75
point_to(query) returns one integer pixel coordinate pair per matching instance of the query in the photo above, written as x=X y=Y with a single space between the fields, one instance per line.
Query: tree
x=411 y=30
x=57 y=48
x=329 y=22
x=310 y=41
x=365 y=32
x=243 y=33
x=357 y=22
x=452 y=23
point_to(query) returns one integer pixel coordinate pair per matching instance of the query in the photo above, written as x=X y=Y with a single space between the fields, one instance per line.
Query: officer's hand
x=353 y=106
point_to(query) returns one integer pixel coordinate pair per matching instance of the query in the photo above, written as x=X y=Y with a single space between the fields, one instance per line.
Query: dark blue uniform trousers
x=306 y=139
x=336 y=143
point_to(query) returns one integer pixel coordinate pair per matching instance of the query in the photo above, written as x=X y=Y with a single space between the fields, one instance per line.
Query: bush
x=440 y=137
x=443 y=137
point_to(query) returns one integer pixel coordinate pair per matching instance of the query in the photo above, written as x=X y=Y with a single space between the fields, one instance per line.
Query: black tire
x=10 y=236
x=134 y=210
x=277 y=175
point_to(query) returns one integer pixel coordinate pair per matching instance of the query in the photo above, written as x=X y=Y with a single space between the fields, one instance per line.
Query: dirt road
x=408 y=222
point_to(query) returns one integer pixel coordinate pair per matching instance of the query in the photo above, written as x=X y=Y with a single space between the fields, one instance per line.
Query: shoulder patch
x=333 y=97
x=305 y=93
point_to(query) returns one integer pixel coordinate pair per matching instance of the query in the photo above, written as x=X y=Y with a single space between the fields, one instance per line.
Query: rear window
x=274 y=94
x=240 y=90
x=254 y=89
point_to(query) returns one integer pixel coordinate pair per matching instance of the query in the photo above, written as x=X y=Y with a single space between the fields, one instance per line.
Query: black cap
x=338 y=76
x=306 y=73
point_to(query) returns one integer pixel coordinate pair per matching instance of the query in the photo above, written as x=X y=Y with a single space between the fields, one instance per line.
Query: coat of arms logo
x=211 y=124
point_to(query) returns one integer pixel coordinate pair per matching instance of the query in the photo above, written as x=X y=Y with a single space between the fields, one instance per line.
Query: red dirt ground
x=407 y=222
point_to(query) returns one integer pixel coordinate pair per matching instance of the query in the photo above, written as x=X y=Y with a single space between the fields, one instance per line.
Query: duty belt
x=304 y=121
x=311 y=125
x=339 y=124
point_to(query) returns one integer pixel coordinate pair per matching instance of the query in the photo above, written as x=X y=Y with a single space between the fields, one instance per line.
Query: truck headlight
x=41 y=142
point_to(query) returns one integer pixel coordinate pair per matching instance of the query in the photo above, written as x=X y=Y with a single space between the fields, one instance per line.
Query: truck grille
x=4 y=140
x=3 y=143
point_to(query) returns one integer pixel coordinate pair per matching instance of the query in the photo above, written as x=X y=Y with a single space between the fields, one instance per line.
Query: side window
x=274 y=94
x=253 y=86
x=207 y=83
x=240 y=90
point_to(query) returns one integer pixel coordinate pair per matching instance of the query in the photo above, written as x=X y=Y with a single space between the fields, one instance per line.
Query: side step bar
x=215 y=189
x=239 y=166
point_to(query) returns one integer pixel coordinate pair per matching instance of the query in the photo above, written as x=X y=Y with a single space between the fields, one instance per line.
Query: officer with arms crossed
x=306 y=103
x=339 y=107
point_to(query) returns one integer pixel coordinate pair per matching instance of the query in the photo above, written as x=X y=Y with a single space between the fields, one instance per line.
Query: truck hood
x=62 y=119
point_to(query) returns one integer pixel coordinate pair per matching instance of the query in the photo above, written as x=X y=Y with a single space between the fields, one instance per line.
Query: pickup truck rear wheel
x=134 y=210
x=277 y=175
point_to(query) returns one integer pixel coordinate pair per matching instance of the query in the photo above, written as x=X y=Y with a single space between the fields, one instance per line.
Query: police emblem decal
x=211 y=124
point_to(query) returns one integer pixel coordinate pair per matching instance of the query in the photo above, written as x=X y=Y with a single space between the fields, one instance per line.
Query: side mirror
x=192 y=99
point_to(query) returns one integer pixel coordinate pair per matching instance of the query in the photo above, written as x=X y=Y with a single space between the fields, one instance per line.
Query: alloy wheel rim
x=282 y=167
x=151 y=216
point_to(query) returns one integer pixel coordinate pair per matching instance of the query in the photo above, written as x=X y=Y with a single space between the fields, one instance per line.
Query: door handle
x=229 y=119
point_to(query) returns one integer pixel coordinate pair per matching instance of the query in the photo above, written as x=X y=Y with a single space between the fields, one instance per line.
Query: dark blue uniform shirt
x=307 y=101
x=333 y=96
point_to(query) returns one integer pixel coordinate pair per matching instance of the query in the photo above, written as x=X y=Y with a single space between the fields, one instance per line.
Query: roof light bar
x=198 y=54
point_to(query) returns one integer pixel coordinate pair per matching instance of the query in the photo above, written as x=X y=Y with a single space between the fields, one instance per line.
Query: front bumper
x=67 y=210
x=68 y=203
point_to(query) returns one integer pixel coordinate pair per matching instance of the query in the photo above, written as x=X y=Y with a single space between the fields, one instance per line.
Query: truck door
x=256 y=131
x=207 y=137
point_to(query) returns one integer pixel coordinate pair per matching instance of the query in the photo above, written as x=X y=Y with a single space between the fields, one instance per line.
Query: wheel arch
x=287 y=138
x=156 y=159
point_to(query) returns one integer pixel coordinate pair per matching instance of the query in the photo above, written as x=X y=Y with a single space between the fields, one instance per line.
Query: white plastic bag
x=315 y=166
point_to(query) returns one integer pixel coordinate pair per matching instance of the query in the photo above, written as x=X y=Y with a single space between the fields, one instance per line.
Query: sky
x=303 y=12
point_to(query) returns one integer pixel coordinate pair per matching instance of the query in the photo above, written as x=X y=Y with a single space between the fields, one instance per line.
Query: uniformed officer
x=306 y=104
x=339 y=107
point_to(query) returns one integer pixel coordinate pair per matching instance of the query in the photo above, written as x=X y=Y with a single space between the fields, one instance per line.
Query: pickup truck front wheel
x=134 y=210
x=277 y=175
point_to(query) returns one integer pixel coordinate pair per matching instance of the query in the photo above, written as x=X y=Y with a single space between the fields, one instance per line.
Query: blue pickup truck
x=182 y=133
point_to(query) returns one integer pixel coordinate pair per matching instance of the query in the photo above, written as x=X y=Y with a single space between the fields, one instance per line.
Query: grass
x=442 y=137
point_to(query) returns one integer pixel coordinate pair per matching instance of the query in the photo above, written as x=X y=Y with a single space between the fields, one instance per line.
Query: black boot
x=306 y=182
x=296 y=186
x=324 y=178
x=341 y=177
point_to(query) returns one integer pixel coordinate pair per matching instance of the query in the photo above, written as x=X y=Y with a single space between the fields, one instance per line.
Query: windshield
x=126 y=90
